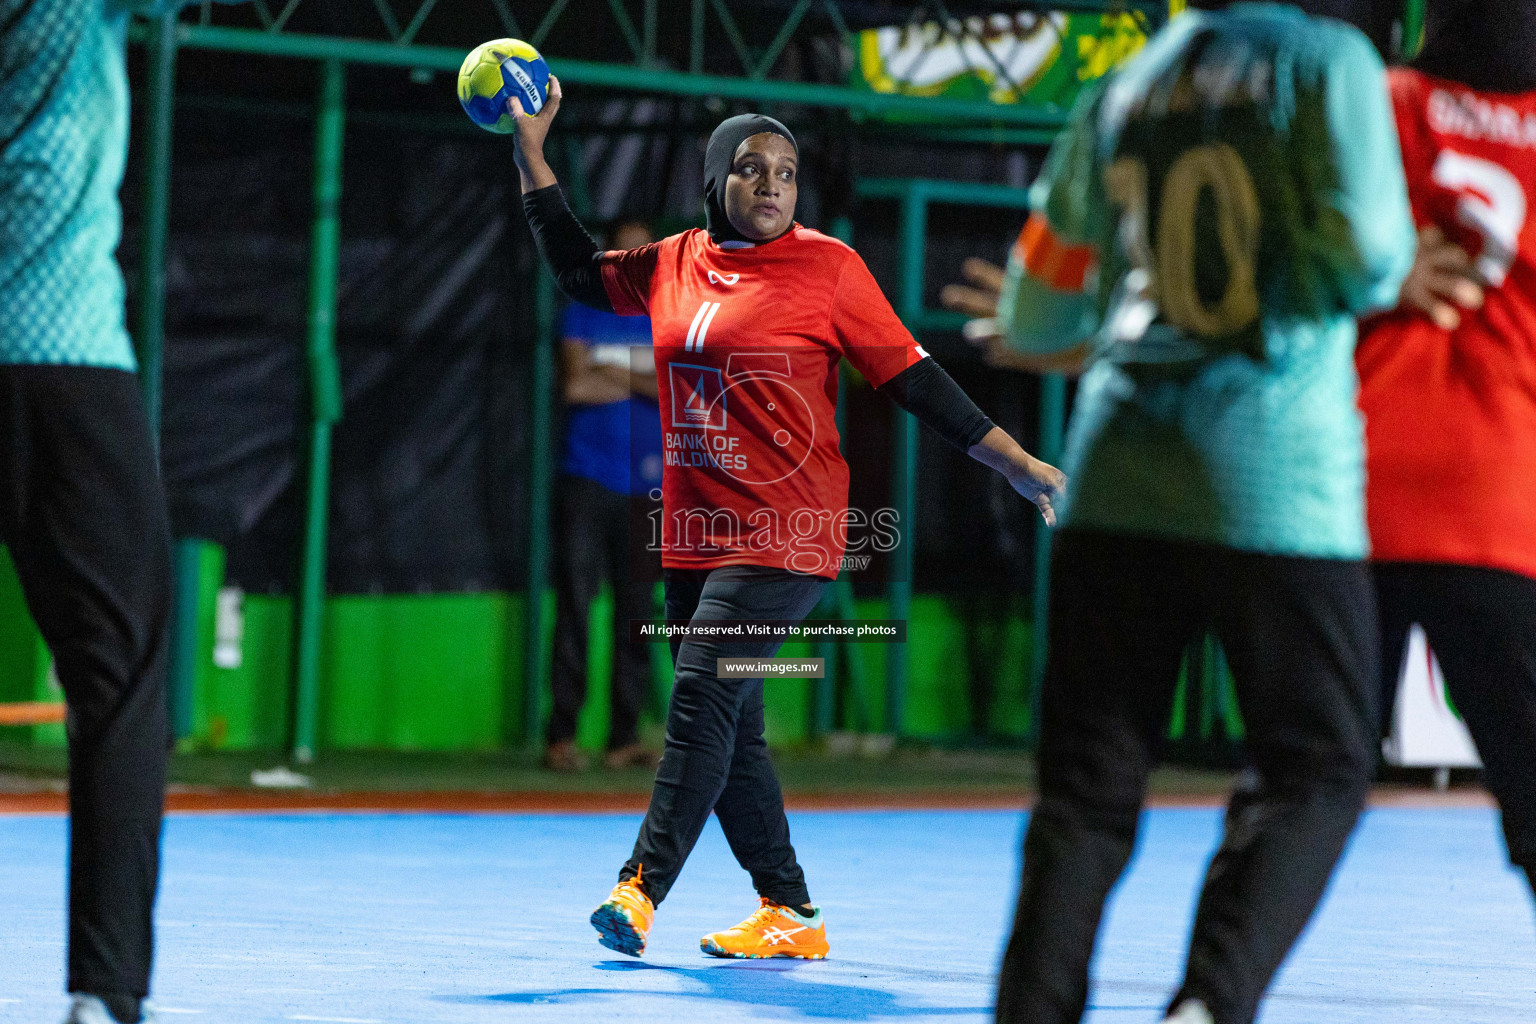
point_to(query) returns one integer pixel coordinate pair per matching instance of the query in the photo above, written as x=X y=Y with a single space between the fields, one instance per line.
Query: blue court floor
x=419 y=918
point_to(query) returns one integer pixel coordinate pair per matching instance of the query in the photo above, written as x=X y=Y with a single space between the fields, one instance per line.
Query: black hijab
x=719 y=157
x=1489 y=45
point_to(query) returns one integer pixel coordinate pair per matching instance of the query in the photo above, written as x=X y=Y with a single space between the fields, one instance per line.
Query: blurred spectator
x=610 y=478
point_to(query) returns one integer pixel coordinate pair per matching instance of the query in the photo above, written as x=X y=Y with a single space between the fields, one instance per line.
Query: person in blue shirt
x=82 y=509
x=1204 y=234
x=610 y=480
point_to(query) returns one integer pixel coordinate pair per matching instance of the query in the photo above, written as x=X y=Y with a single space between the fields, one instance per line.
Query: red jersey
x=747 y=344
x=1451 y=415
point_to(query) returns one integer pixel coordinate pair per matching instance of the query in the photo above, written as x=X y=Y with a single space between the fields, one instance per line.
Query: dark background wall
x=435 y=321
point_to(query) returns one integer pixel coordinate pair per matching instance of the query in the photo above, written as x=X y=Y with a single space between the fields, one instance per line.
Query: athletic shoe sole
x=713 y=949
x=615 y=931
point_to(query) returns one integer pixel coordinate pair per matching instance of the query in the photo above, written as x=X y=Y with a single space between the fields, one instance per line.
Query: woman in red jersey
x=1449 y=394
x=750 y=318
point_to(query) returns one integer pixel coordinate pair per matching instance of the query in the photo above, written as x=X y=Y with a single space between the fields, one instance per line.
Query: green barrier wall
x=428 y=672
x=25 y=666
x=445 y=672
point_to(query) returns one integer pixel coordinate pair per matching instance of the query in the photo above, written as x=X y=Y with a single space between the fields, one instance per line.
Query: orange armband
x=1051 y=261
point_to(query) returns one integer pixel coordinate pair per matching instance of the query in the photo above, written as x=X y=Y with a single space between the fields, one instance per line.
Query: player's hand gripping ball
x=497 y=71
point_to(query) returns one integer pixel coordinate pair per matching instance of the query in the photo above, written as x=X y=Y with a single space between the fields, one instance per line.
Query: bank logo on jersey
x=725 y=279
x=698 y=396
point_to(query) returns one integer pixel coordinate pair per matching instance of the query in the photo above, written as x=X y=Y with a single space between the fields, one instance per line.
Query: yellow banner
x=1041 y=59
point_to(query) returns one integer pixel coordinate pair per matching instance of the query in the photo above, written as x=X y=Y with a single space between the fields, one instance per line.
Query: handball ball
x=496 y=71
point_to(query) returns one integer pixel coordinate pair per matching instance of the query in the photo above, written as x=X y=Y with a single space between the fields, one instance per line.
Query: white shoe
x=1190 y=1011
x=91 y=1010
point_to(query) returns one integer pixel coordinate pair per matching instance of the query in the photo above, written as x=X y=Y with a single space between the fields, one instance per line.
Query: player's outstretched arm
x=877 y=343
x=1040 y=482
x=978 y=298
x=926 y=391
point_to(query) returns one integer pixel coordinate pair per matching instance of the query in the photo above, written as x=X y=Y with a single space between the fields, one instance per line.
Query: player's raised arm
x=571 y=253
x=531 y=133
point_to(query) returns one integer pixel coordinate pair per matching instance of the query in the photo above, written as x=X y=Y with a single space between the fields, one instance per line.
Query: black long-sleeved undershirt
x=572 y=255
x=923 y=389
x=926 y=391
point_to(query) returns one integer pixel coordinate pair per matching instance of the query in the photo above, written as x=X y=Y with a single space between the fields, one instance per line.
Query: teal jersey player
x=1239 y=188
x=1204 y=235
x=63 y=140
x=83 y=513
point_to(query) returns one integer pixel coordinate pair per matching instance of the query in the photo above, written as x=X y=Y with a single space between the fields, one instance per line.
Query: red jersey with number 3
x=747 y=345
x=1451 y=415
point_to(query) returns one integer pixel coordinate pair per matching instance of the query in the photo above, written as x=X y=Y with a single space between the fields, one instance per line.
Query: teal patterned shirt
x=1241 y=184
x=64 y=132
x=63 y=142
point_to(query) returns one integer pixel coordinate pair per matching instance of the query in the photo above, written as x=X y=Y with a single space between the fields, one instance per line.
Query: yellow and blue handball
x=496 y=71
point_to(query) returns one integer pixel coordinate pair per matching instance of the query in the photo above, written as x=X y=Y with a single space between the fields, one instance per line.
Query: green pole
x=325 y=404
x=824 y=690
x=1053 y=415
x=181 y=672
x=159 y=112
x=541 y=478
x=541 y=461
x=696 y=40
x=914 y=228
x=576 y=178
x=1412 y=29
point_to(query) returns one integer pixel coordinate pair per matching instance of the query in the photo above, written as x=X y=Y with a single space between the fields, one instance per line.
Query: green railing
x=752 y=44
x=915 y=195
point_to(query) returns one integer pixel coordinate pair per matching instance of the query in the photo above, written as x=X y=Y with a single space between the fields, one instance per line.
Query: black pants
x=597 y=542
x=716 y=758
x=1481 y=624
x=82 y=510
x=1299 y=635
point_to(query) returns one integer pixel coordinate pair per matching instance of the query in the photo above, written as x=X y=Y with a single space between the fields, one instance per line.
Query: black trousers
x=1481 y=624
x=1300 y=637
x=597 y=542
x=716 y=758
x=82 y=510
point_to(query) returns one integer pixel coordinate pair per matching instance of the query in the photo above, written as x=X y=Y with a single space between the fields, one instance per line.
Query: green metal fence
x=962 y=121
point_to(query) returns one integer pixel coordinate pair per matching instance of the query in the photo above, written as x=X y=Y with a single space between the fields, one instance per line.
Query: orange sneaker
x=771 y=931
x=624 y=919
